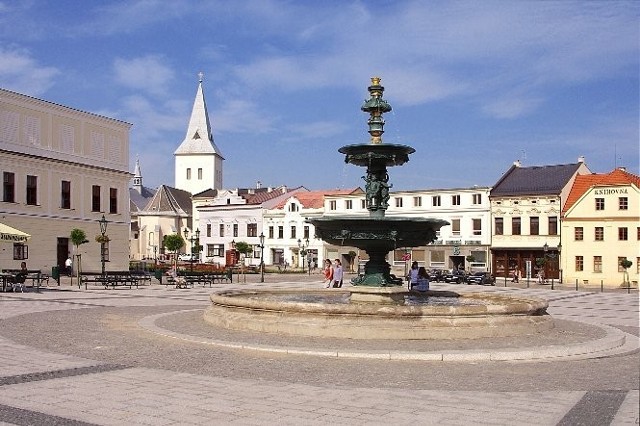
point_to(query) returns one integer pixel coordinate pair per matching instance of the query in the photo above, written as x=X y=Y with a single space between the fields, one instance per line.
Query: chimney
x=622 y=169
x=516 y=163
x=581 y=159
x=284 y=189
x=258 y=185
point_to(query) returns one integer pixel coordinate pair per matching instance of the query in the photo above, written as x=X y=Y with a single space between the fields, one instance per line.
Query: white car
x=188 y=257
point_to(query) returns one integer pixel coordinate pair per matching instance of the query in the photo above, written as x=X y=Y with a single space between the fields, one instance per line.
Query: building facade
x=63 y=169
x=526 y=204
x=601 y=228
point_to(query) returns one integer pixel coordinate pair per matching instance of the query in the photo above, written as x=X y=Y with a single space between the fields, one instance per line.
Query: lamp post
x=193 y=239
x=103 y=244
x=261 y=237
x=302 y=245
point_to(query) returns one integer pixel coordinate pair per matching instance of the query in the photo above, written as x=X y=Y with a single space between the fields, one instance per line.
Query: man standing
x=68 y=264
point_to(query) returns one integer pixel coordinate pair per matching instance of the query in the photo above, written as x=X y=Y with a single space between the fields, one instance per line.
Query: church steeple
x=137 y=177
x=198 y=161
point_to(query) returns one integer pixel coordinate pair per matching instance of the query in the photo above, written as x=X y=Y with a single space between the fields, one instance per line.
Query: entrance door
x=457 y=262
x=62 y=252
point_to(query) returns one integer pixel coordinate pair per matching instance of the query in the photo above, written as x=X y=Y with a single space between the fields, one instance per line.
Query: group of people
x=418 y=277
x=333 y=273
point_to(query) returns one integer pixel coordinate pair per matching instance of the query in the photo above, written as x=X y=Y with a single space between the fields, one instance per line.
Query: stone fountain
x=377 y=305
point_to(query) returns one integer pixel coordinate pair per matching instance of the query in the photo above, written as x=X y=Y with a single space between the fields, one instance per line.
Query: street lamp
x=103 y=243
x=261 y=237
x=193 y=240
x=302 y=245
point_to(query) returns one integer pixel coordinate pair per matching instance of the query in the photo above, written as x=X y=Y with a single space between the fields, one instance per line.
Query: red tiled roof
x=585 y=182
x=315 y=199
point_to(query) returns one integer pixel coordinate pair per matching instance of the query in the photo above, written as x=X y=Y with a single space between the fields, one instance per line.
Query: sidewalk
x=74 y=356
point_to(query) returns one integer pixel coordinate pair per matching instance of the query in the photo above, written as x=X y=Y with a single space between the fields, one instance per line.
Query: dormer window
x=293 y=207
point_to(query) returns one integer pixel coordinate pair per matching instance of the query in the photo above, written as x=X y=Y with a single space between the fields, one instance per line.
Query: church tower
x=198 y=161
x=137 y=177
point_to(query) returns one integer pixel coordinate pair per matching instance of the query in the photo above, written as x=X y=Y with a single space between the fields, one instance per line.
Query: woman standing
x=327 y=270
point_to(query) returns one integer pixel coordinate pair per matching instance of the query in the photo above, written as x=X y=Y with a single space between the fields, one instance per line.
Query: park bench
x=110 y=278
x=35 y=276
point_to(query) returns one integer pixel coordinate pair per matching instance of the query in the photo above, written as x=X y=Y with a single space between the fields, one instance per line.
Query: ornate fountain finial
x=376 y=106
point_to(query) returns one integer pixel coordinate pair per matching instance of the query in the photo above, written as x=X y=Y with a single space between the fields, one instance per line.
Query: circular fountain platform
x=378 y=313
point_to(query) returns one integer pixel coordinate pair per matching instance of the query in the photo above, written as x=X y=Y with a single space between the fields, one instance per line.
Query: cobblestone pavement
x=74 y=356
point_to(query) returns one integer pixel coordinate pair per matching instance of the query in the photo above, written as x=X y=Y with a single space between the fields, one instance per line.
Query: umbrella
x=12 y=235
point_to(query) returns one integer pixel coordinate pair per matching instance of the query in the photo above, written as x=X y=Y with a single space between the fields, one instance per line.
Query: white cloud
x=146 y=73
x=22 y=73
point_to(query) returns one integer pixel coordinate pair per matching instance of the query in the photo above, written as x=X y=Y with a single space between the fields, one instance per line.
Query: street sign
x=406 y=256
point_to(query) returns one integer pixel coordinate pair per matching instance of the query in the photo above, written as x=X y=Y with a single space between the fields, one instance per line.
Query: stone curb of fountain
x=615 y=342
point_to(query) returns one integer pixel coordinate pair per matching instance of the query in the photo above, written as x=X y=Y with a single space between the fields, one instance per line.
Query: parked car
x=481 y=278
x=455 y=277
x=188 y=257
x=436 y=275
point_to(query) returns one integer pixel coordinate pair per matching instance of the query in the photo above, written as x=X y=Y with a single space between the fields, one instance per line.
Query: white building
x=63 y=169
x=463 y=244
x=233 y=216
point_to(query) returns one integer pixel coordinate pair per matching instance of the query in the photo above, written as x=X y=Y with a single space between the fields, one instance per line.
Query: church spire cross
x=200 y=77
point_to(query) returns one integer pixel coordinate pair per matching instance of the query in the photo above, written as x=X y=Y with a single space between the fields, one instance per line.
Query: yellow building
x=601 y=227
x=62 y=169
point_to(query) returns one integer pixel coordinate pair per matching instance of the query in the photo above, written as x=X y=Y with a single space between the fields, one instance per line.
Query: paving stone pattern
x=77 y=357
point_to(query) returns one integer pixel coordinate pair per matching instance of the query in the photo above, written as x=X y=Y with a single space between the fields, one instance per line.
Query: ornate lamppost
x=193 y=240
x=261 y=237
x=302 y=245
x=104 y=240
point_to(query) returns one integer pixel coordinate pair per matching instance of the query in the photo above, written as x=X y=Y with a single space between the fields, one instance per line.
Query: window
x=252 y=229
x=623 y=203
x=363 y=204
x=218 y=250
x=515 y=226
x=578 y=233
x=208 y=229
x=417 y=201
x=499 y=225
x=597 y=263
x=599 y=233
x=553 y=225
x=188 y=173
x=65 y=194
x=398 y=201
x=477 y=226
x=599 y=203
x=332 y=205
x=199 y=173
x=623 y=234
x=579 y=264
x=455 y=226
x=293 y=233
x=306 y=232
x=435 y=200
x=271 y=233
x=32 y=190
x=620 y=260
x=455 y=200
x=534 y=225
x=95 y=198
x=477 y=198
x=113 y=200
x=348 y=204
x=235 y=229
x=280 y=232
x=293 y=207
x=8 y=187
x=221 y=229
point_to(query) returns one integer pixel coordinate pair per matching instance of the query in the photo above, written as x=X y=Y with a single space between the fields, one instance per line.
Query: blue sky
x=473 y=85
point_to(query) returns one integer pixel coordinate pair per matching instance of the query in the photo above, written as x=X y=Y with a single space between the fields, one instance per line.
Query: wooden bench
x=110 y=278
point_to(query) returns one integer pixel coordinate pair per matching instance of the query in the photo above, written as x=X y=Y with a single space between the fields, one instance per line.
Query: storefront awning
x=12 y=235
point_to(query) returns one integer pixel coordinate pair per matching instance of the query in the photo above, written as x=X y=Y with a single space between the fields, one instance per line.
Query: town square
x=280 y=219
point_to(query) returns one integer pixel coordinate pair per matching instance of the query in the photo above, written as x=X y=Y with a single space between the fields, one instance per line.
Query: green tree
x=626 y=264
x=244 y=248
x=78 y=237
x=173 y=243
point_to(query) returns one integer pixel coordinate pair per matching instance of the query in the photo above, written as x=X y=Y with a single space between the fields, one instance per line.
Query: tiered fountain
x=377 y=306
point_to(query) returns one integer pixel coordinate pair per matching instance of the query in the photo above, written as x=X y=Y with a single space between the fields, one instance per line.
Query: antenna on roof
x=524 y=157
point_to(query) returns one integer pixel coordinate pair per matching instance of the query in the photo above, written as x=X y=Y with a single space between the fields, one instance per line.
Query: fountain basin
x=333 y=314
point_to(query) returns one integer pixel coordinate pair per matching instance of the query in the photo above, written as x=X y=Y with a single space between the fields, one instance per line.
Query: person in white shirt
x=337 y=274
x=68 y=264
